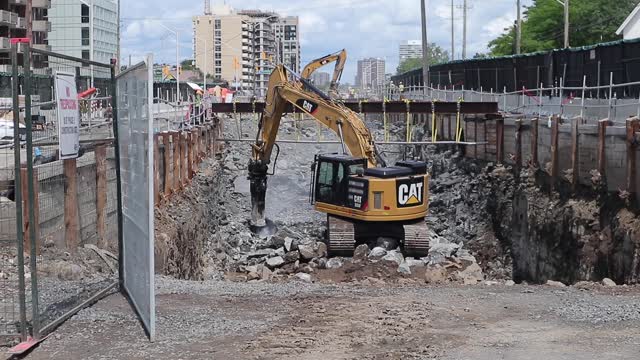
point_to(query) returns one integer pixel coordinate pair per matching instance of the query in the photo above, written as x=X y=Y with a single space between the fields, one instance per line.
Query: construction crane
x=340 y=59
x=364 y=199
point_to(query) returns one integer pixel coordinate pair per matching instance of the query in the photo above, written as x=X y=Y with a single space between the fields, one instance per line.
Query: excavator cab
x=331 y=179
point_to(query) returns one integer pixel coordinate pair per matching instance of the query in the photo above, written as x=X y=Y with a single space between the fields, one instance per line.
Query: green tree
x=437 y=55
x=591 y=22
x=187 y=64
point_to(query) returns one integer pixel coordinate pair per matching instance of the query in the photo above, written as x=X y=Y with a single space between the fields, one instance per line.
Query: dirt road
x=296 y=320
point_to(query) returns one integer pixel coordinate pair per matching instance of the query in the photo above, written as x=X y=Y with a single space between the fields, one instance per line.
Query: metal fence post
x=610 y=95
x=32 y=229
x=116 y=141
x=18 y=192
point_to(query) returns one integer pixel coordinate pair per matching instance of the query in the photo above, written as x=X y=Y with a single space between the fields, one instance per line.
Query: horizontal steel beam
x=378 y=107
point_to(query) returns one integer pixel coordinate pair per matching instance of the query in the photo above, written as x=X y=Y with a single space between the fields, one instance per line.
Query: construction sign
x=68 y=112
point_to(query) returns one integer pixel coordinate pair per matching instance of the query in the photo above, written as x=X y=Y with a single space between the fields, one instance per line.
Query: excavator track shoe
x=341 y=236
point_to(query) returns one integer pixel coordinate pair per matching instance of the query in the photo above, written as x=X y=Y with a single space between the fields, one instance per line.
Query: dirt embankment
x=560 y=235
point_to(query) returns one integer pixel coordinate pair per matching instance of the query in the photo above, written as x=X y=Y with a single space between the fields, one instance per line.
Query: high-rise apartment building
x=86 y=29
x=321 y=78
x=242 y=47
x=410 y=49
x=371 y=73
x=23 y=19
x=288 y=42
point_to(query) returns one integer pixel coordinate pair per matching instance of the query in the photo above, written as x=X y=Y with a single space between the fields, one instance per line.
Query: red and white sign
x=68 y=114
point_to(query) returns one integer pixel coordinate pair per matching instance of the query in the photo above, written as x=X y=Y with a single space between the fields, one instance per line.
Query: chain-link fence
x=67 y=205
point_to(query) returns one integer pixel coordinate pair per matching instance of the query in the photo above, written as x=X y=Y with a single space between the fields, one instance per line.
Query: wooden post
x=575 y=159
x=534 y=142
x=71 y=221
x=602 y=158
x=449 y=128
x=26 y=226
x=176 y=160
x=554 y=151
x=196 y=146
x=190 y=153
x=168 y=179
x=101 y=195
x=500 y=141
x=518 y=144
x=156 y=169
x=632 y=127
x=184 y=176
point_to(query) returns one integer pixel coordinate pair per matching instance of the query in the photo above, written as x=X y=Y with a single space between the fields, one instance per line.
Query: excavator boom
x=339 y=57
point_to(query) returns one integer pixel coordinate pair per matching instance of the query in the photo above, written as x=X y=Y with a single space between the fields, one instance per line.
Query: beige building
x=222 y=46
x=243 y=47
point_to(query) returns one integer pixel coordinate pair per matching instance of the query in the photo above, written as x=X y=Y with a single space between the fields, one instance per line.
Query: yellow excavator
x=364 y=199
x=340 y=59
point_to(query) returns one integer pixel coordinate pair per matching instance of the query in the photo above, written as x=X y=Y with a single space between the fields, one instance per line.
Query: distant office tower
x=371 y=73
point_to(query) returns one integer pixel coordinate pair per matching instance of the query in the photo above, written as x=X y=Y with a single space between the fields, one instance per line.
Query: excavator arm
x=339 y=57
x=354 y=135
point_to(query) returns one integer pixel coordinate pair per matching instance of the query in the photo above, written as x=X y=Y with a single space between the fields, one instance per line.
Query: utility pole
x=566 y=23
x=453 y=44
x=464 y=30
x=518 y=31
x=425 y=48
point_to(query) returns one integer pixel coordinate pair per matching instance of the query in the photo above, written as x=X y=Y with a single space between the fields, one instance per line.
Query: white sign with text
x=68 y=114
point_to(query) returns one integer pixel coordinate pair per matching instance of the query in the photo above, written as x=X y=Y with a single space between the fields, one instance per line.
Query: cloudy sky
x=366 y=28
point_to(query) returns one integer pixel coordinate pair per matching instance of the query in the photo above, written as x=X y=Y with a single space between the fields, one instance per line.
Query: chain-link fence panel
x=71 y=227
x=13 y=272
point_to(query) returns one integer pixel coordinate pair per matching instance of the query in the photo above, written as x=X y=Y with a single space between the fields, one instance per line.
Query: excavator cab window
x=332 y=180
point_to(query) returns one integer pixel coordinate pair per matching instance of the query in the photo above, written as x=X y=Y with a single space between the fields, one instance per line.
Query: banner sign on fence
x=68 y=114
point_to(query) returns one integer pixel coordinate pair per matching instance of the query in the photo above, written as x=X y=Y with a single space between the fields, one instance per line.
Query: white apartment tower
x=410 y=49
x=371 y=73
x=86 y=29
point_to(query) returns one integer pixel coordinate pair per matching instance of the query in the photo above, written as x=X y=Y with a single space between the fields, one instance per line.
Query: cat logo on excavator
x=410 y=192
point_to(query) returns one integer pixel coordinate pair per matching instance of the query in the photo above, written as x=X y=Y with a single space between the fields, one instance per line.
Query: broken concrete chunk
x=435 y=274
x=360 y=253
x=321 y=249
x=291 y=257
x=377 y=252
x=334 y=263
x=304 y=277
x=307 y=252
x=404 y=268
x=608 y=282
x=394 y=256
x=288 y=244
x=471 y=275
x=275 y=262
x=555 y=283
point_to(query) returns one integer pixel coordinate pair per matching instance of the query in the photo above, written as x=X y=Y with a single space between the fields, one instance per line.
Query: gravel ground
x=295 y=320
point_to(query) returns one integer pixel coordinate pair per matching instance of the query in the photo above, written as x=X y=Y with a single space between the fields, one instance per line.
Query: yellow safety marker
x=458 y=125
x=408 y=117
x=384 y=117
x=434 y=127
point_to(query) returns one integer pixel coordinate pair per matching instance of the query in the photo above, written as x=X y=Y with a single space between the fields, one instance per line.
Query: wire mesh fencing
x=62 y=211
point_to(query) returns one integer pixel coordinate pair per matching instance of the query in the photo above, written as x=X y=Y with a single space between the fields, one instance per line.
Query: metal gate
x=135 y=133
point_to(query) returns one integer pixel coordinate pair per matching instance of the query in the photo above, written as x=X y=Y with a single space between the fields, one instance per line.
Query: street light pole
x=566 y=23
x=518 y=30
x=177 y=61
x=425 y=47
x=565 y=4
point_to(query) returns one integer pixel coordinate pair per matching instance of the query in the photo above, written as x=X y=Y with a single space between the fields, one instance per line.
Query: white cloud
x=366 y=28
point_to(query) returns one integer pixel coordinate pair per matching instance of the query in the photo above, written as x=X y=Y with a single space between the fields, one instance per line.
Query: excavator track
x=416 y=242
x=341 y=236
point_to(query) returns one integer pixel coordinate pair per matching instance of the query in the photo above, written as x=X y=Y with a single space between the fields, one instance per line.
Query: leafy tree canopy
x=591 y=22
x=437 y=55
